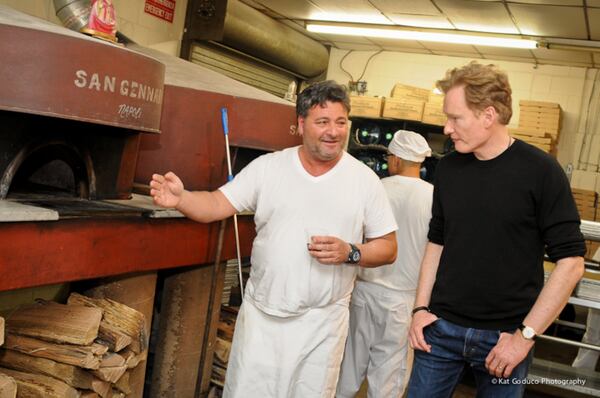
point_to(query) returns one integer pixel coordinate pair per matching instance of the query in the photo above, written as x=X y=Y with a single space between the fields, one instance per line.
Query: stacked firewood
x=86 y=348
x=223 y=344
x=8 y=385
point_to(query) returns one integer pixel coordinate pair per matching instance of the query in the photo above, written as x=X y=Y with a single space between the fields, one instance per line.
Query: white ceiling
x=571 y=22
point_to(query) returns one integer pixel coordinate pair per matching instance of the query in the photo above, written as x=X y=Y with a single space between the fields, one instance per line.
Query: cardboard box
x=543 y=147
x=410 y=92
x=531 y=131
x=587 y=215
x=584 y=193
x=365 y=106
x=540 y=104
x=435 y=98
x=552 y=128
x=592 y=247
x=401 y=108
x=433 y=114
x=532 y=138
x=540 y=116
x=582 y=179
x=539 y=131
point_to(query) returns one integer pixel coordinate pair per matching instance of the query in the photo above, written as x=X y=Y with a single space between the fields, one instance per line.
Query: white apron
x=291 y=357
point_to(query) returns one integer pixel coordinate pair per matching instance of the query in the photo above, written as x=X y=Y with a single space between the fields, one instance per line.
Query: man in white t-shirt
x=314 y=206
x=383 y=297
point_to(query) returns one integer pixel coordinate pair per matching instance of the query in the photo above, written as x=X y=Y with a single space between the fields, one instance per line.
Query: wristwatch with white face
x=354 y=255
x=528 y=332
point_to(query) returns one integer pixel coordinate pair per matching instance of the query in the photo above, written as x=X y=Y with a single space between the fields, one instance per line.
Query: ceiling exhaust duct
x=251 y=32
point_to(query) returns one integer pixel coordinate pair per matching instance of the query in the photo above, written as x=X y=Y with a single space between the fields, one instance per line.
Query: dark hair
x=485 y=85
x=318 y=94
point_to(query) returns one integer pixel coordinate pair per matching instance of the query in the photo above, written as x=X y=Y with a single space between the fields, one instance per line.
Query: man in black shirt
x=498 y=204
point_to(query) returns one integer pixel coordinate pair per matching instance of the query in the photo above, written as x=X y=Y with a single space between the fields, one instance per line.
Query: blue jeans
x=436 y=374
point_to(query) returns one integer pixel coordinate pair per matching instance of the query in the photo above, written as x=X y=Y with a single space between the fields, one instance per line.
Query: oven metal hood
x=49 y=70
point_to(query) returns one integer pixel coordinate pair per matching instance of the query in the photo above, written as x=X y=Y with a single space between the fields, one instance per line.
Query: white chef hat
x=409 y=145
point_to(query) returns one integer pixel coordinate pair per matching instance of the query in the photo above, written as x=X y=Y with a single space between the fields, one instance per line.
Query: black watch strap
x=354 y=255
x=421 y=308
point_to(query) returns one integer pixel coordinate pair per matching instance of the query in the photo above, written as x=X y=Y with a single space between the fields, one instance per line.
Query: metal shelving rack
x=547 y=373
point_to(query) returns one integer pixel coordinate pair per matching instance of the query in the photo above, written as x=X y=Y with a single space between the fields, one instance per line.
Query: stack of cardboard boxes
x=539 y=124
x=405 y=103
x=363 y=106
x=587 y=205
x=434 y=110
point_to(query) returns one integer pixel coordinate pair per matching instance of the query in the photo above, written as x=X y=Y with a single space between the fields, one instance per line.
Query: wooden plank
x=39 y=386
x=72 y=375
x=81 y=356
x=136 y=291
x=123 y=383
x=117 y=394
x=132 y=359
x=112 y=337
x=112 y=374
x=74 y=324
x=222 y=350
x=98 y=349
x=8 y=386
x=183 y=322
x=119 y=316
x=217 y=290
x=1 y=331
x=112 y=359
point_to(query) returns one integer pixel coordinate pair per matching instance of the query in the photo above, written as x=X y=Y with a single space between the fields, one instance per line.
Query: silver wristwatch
x=528 y=332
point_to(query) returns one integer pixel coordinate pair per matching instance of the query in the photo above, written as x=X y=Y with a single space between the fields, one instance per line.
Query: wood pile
x=86 y=348
x=587 y=205
x=8 y=385
x=539 y=124
x=223 y=344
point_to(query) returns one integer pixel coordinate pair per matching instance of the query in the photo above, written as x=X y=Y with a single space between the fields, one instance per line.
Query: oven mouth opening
x=50 y=171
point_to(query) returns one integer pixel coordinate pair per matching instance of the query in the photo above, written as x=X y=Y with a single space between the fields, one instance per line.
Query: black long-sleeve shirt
x=495 y=218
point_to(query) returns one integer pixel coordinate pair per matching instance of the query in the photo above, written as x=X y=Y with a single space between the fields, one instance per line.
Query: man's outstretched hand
x=167 y=190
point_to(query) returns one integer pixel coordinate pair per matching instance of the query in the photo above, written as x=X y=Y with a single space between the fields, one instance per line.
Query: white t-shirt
x=411 y=200
x=348 y=202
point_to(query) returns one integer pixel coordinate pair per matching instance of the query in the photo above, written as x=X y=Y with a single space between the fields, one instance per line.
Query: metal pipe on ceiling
x=254 y=33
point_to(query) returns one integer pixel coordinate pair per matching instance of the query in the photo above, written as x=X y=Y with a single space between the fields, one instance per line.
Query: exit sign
x=163 y=9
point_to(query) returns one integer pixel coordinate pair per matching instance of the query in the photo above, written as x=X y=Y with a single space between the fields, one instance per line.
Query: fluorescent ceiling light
x=374 y=18
x=401 y=34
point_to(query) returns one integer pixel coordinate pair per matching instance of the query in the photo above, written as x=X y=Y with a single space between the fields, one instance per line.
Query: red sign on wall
x=163 y=9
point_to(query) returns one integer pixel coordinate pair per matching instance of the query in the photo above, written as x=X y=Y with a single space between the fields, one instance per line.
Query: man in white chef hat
x=382 y=300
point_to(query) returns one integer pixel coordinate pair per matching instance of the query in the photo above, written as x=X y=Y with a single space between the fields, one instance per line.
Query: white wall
x=132 y=21
x=561 y=84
